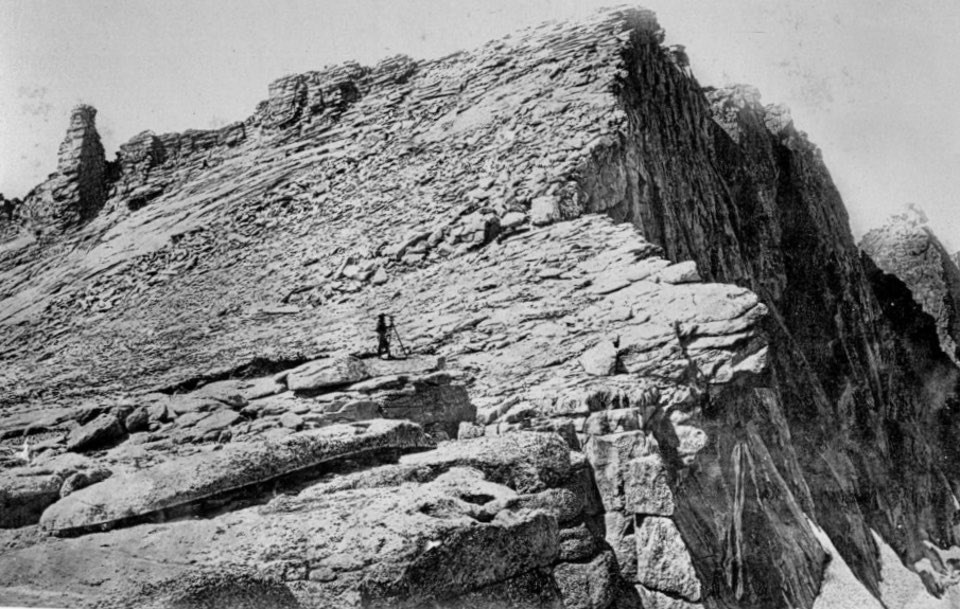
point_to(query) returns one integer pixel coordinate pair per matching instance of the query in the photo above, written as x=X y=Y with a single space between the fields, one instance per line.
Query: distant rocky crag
x=906 y=247
x=645 y=363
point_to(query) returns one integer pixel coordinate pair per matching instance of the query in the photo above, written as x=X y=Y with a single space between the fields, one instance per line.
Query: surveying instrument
x=391 y=327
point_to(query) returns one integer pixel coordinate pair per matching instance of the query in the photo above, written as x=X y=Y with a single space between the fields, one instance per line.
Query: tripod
x=399 y=340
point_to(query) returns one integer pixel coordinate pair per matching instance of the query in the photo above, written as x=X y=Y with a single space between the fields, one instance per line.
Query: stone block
x=609 y=456
x=663 y=562
x=647 y=490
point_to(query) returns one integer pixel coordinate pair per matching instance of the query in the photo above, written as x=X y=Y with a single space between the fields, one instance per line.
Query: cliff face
x=674 y=379
x=735 y=187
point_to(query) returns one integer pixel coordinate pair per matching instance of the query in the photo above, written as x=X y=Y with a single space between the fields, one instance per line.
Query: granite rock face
x=390 y=536
x=636 y=303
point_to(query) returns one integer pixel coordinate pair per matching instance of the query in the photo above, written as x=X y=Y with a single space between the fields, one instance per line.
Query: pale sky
x=874 y=82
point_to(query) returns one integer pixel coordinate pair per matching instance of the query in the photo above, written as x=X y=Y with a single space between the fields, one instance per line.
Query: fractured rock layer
x=78 y=190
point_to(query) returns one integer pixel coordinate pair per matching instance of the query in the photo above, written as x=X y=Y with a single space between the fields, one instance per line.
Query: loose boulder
x=83 y=479
x=545 y=210
x=138 y=420
x=600 y=360
x=98 y=433
x=24 y=494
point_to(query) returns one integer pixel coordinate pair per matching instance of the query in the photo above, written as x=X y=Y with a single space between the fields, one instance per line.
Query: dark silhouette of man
x=383 y=328
x=8 y=207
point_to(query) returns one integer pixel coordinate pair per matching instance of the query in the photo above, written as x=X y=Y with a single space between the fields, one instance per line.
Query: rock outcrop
x=189 y=480
x=673 y=379
x=78 y=190
x=907 y=248
x=430 y=529
x=150 y=164
x=9 y=217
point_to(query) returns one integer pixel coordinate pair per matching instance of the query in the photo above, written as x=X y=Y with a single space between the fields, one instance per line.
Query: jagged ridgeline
x=644 y=363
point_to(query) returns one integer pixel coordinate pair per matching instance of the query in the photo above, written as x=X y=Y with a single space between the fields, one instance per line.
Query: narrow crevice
x=479 y=499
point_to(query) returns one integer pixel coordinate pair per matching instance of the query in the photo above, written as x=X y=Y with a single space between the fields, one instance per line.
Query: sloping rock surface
x=665 y=357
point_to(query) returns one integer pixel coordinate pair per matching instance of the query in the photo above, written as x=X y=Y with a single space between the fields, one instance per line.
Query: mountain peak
x=542 y=323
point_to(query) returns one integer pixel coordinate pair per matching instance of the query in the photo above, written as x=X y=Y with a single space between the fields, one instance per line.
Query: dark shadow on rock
x=226 y=588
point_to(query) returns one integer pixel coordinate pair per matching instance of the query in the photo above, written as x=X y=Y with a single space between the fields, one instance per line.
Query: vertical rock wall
x=859 y=401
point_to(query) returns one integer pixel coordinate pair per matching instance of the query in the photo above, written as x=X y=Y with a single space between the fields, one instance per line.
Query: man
x=26 y=452
x=384 y=342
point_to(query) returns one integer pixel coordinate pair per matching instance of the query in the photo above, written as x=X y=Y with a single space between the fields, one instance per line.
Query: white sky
x=874 y=82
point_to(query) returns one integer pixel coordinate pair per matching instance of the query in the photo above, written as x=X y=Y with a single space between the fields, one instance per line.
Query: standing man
x=383 y=345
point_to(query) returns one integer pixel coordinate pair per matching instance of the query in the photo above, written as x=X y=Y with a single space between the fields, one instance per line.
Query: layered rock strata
x=78 y=190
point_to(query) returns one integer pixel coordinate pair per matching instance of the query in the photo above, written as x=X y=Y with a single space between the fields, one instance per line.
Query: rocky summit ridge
x=647 y=364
